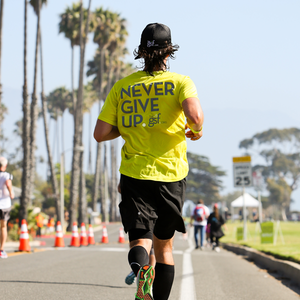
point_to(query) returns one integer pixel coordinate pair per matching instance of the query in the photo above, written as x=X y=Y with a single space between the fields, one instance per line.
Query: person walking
x=6 y=195
x=199 y=221
x=40 y=224
x=216 y=221
x=148 y=109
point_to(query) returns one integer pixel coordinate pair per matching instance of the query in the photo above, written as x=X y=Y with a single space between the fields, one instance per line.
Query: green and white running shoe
x=145 y=280
x=130 y=278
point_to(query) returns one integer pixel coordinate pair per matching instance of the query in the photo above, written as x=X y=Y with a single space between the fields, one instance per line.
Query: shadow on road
x=273 y=273
x=63 y=283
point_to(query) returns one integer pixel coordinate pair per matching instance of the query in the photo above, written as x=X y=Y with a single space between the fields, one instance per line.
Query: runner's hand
x=191 y=135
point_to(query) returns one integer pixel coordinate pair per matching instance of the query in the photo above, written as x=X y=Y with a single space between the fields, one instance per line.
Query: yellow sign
x=267 y=232
x=241 y=159
x=239 y=233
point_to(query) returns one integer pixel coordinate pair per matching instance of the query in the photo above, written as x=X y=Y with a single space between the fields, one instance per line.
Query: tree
x=203 y=180
x=99 y=33
x=25 y=197
x=53 y=178
x=77 y=160
x=279 y=150
x=58 y=101
x=37 y=5
x=69 y=25
x=89 y=99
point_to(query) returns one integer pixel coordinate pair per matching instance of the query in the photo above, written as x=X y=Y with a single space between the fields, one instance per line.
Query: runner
x=148 y=109
x=130 y=278
x=6 y=194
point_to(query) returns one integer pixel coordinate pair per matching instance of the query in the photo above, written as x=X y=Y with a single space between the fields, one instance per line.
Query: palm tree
x=57 y=101
x=102 y=37
x=69 y=25
x=25 y=196
x=89 y=99
x=116 y=51
x=46 y=130
x=77 y=160
x=37 y=5
x=104 y=190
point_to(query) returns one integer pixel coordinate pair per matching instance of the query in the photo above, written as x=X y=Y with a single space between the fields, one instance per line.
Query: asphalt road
x=98 y=272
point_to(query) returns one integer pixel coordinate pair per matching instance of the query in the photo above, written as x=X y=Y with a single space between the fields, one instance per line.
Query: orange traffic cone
x=104 y=235
x=91 y=239
x=24 y=238
x=75 y=237
x=59 y=240
x=83 y=238
x=121 y=236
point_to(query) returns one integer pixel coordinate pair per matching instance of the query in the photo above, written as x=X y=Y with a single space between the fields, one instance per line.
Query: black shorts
x=4 y=214
x=152 y=205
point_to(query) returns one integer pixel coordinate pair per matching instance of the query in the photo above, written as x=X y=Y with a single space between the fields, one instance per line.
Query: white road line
x=187 y=284
x=92 y=249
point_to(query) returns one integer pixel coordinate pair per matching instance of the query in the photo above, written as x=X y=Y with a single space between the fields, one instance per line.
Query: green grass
x=290 y=250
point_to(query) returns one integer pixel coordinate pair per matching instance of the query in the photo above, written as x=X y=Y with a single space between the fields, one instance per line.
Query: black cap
x=156 y=36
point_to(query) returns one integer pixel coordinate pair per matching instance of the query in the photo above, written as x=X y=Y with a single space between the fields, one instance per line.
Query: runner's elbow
x=98 y=137
x=196 y=118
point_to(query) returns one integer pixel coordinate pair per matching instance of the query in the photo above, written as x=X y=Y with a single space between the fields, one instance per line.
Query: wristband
x=196 y=131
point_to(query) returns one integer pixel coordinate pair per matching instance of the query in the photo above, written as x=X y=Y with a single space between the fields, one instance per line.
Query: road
x=98 y=272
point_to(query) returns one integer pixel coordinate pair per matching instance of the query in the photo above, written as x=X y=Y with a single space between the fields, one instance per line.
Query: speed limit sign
x=242 y=171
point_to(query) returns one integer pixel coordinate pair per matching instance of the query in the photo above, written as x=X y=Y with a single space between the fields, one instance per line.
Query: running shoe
x=130 y=278
x=213 y=246
x=3 y=254
x=144 y=283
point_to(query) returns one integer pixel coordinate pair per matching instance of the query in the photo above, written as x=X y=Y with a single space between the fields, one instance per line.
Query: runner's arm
x=105 y=131
x=9 y=187
x=194 y=115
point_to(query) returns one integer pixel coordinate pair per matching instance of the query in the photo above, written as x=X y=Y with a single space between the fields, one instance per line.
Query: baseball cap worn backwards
x=156 y=36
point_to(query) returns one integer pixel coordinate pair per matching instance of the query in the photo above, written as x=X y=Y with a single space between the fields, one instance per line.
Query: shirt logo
x=150 y=44
x=154 y=120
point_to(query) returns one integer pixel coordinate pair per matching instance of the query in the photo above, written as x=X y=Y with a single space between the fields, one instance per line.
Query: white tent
x=249 y=201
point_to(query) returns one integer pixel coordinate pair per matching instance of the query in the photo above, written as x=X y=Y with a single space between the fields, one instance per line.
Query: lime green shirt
x=148 y=113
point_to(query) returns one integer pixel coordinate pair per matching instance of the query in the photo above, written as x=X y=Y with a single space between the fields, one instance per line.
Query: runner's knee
x=163 y=250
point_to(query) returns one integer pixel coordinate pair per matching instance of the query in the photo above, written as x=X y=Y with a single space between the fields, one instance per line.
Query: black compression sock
x=137 y=257
x=164 y=277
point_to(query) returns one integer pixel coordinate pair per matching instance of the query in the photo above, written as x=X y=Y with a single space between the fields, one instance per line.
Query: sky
x=243 y=57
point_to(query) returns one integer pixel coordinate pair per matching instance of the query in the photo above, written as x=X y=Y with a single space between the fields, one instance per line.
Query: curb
x=288 y=269
x=16 y=244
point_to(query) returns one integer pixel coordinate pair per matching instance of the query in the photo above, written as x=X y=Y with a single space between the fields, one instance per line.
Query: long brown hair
x=155 y=58
x=216 y=211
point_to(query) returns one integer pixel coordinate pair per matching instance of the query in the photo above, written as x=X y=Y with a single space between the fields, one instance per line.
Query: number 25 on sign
x=242 y=171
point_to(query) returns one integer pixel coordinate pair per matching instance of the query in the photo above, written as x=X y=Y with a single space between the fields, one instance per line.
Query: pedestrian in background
x=6 y=195
x=40 y=224
x=199 y=221
x=148 y=109
x=50 y=225
x=215 y=222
